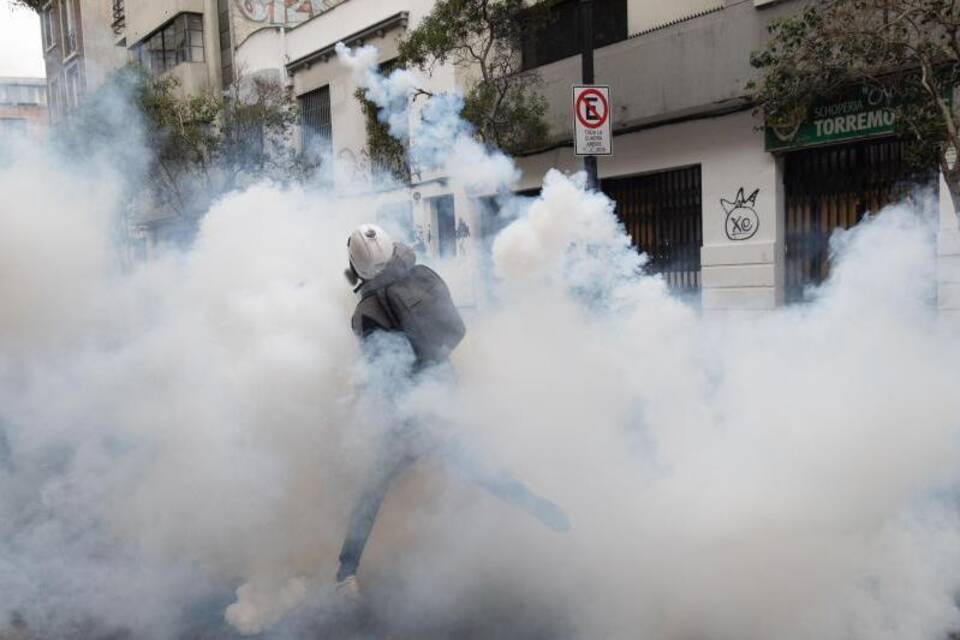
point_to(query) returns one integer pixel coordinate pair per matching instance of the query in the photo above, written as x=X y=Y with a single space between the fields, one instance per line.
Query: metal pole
x=586 y=58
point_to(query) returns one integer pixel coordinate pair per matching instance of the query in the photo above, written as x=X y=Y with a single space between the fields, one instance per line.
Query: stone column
x=743 y=229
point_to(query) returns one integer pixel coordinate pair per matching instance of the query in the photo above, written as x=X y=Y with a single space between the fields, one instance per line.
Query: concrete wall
x=737 y=274
x=194 y=77
x=98 y=53
x=346 y=19
x=211 y=44
x=101 y=52
x=349 y=134
x=645 y=15
x=700 y=65
x=263 y=51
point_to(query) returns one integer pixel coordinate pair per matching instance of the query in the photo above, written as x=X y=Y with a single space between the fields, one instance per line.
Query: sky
x=21 y=52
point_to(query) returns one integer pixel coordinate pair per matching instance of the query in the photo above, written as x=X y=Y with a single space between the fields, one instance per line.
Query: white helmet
x=370 y=248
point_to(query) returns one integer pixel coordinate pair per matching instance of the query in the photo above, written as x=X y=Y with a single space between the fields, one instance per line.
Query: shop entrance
x=835 y=187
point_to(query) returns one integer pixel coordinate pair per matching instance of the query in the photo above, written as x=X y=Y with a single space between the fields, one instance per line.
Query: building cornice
x=325 y=53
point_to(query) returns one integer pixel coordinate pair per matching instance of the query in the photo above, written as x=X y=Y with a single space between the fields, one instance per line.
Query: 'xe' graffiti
x=742 y=221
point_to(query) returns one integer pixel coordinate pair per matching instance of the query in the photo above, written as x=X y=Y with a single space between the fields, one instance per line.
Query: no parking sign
x=591 y=120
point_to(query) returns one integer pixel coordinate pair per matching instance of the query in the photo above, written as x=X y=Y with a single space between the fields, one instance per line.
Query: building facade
x=192 y=40
x=195 y=40
x=735 y=217
x=79 y=51
x=23 y=106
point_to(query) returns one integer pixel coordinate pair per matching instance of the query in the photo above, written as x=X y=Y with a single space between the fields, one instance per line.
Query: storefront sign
x=862 y=114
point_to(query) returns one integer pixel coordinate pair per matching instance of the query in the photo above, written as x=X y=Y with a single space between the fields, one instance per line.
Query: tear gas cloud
x=180 y=438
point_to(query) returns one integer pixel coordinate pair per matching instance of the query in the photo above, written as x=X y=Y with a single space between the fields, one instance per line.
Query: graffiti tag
x=284 y=11
x=742 y=222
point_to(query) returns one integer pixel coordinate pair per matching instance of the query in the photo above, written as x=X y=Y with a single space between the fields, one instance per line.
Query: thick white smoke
x=180 y=441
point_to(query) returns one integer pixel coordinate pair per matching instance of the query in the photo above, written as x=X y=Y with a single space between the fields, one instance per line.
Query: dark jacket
x=370 y=315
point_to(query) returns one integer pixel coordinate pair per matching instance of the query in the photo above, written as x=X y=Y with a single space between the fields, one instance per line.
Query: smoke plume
x=181 y=437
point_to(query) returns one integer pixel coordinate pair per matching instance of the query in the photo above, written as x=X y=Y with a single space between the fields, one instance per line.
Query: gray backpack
x=419 y=304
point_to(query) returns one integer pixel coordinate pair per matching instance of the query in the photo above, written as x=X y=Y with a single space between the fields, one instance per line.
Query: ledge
x=324 y=53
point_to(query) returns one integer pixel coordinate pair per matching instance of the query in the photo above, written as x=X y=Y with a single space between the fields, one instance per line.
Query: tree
x=482 y=38
x=909 y=49
x=204 y=145
x=180 y=151
x=36 y=5
x=180 y=136
x=384 y=153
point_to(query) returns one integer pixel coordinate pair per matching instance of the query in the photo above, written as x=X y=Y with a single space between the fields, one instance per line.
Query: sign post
x=586 y=77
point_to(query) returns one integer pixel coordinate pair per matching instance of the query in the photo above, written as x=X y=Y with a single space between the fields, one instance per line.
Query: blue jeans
x=398 y=456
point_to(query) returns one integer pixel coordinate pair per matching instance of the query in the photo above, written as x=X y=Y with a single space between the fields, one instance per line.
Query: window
x=74 y=86
x=446 y=225
x=54 y=98
x=316 y=122
x=21 y=94
x=555 y=34
x=181 y=40
x=68 y=26
x=46 y=26
x=13 y=125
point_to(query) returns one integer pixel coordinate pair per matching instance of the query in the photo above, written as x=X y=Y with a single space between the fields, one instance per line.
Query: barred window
x=316 y=121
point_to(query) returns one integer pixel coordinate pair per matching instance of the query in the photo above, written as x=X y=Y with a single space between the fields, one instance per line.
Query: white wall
x=192 y=76
x=743 y=275
x=264 y=50
x=644 y=15
x=348 y=122
x=696 y=66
